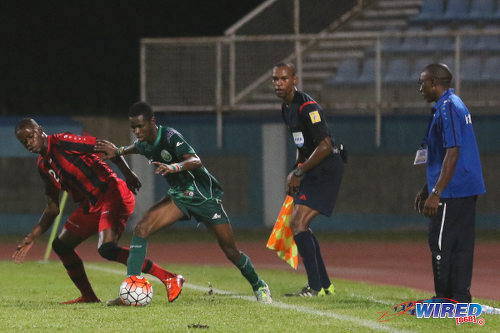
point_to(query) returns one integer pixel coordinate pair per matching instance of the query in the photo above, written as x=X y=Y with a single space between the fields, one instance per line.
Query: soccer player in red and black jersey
x=68 y=162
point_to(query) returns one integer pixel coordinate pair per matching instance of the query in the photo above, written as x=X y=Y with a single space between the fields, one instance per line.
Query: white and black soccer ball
x=136 y=291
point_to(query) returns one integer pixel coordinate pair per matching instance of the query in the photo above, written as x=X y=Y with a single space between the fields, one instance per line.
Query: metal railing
x=218 y=74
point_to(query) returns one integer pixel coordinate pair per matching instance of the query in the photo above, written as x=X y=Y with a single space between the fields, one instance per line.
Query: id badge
x=420 y=157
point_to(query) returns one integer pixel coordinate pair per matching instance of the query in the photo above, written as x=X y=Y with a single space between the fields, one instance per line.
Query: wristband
x=120 y=151
x=177 y=167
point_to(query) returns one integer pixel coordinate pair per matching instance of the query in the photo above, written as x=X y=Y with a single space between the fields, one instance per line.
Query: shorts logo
x=167 y=157
x=303 y=197
x=216 y=216
x=315 y=117
x=298 y=138
x=178 y=144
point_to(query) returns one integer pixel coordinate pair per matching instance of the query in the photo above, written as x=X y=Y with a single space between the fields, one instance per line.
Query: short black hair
x=441 y=72
x=24 y=123
x=141 y=109
x=288 y=65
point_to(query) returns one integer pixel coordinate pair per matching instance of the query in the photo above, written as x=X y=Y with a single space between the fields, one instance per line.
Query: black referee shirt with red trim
x=306 y=122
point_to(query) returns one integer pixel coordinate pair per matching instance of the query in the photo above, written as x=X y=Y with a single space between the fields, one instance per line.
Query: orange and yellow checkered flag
x=281 y=239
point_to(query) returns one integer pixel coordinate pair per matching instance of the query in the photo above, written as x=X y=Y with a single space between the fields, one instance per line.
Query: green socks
x=136 y=256
x=246 y=268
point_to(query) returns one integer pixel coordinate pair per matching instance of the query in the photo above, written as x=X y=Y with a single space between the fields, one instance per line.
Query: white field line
x=301 y=309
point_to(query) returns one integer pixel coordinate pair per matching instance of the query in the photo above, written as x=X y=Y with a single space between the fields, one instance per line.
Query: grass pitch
x=214 y=299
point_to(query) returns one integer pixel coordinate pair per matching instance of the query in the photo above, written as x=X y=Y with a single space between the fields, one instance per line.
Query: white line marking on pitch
x=301 y=309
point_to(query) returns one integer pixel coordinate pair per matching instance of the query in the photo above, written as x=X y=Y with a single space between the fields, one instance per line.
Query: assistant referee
x=315 y=181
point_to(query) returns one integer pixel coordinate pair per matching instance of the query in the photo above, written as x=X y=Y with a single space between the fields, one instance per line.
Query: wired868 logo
x=437 y=308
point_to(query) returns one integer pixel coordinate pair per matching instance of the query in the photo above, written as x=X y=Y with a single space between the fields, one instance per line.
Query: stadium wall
x=377 y=191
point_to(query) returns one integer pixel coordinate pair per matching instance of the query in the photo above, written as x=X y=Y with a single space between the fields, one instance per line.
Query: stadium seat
x=440 y=43
x=347 y=72
x=412 y=43
x=368 y=71
x=481 y=9
x=398 y=70
x=491 y=69
x=489 y=42
x=470 y=68
x=430 y=10
x=496 y=15
x=391 y=44
x=456 y=10
x=468 y=42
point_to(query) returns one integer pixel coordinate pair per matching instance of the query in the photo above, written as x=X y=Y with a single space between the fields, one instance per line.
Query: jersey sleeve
x=313 y=117
x=179 y=144
x=75 y=143
x=451 y=125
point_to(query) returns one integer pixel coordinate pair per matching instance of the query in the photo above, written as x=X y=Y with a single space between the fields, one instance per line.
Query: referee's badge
x=315 y=117
x=167 y=157
x=298 y=138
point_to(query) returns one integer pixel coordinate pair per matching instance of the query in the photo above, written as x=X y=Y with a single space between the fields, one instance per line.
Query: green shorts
x=209 y=211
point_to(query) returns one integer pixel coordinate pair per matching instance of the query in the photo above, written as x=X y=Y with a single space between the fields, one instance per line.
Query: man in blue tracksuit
x=454 y=180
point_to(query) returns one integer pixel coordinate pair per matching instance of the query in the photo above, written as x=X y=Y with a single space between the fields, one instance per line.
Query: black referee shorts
x=320 y=186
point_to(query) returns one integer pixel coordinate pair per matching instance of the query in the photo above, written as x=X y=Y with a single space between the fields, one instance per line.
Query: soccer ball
x=136 y=291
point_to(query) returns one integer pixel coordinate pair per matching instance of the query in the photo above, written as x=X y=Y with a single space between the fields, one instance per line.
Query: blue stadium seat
x=440 y=43
x=482 y=9
x=398 y=70
x=430 y=10
x=414 y=43
x=489 y=42
x=456 y=10
x=470 y=68
x=496 y=15
x=347 y=72
x=468 y=42
x=491 y=69
x=368 y=71
x=391 y=44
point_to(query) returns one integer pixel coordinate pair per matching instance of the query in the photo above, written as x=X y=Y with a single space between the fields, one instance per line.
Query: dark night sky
x=81 y=56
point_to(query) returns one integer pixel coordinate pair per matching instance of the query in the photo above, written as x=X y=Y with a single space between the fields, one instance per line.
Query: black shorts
x=320 y=185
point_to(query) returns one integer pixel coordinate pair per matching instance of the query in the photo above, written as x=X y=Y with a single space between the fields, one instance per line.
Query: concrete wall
x=377 y=191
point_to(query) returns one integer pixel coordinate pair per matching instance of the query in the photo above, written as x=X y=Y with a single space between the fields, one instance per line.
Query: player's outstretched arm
x=109 y=150
x=133 y=182
x=49 y=214
x=189 y=162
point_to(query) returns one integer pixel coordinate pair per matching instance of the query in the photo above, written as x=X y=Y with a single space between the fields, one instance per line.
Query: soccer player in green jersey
x=193 y=192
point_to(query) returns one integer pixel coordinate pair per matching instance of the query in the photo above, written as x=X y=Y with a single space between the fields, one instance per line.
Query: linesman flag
x=281 y=239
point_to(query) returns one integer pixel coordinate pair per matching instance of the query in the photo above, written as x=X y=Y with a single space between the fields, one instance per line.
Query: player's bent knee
x=61 y=248
x=141 y=230
x=109 y=250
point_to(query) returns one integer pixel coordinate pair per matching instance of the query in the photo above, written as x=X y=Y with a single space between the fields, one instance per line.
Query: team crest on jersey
x=315 y=117
x=167 y=157
x=298 y=138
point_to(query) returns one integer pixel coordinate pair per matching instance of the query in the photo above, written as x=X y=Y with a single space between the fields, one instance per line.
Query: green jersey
x=194 y=186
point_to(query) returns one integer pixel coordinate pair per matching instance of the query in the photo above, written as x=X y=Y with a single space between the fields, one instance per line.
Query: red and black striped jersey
x=71 y=165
